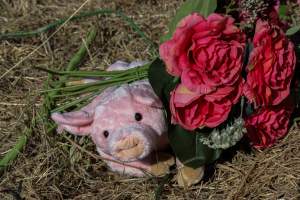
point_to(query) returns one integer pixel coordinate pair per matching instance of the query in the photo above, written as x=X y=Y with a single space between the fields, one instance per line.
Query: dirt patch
x=52 y=168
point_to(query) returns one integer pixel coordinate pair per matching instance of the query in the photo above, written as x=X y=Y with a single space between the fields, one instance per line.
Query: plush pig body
x=127 y=124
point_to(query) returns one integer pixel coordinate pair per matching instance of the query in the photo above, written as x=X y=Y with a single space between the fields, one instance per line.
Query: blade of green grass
x=75 y=102
x=77 y=58
x=125 y=79
x=96 y=91
x=12 y=154
x=81 y=73
x=53 y=25
x=125 y=18
x=100 y=73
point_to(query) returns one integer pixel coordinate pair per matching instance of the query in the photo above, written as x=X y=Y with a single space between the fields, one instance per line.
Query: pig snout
x=133 y=142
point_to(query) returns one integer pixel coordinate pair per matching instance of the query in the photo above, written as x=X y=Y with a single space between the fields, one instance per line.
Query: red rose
x=267 y=125
x=205 y=53
x=192 y=110
x=271 y=66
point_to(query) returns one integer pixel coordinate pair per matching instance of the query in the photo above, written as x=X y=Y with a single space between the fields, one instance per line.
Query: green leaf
x=293 y=30
x=189 y=149
x=204 y=7
x=12 y=154
x=161 y=82
x=282 y=10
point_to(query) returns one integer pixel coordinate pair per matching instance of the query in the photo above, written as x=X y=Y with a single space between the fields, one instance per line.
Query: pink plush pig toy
x=127 y=124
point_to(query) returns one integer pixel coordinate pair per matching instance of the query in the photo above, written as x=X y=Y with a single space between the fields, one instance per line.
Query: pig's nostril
x=138 y=116
x=106 y=133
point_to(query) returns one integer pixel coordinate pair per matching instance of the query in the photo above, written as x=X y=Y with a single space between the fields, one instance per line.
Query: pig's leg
x=187 y=176
x=161 y=163
x=156 y=165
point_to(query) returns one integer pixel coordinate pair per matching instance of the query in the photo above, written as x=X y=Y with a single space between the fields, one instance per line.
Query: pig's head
x=126 y=122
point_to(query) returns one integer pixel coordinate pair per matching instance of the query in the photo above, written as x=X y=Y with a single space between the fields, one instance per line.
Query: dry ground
x=51 y=168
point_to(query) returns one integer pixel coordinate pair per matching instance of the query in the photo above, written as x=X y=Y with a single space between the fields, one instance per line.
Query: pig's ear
x=121 y=65
x=143 y=93
x=77 y=123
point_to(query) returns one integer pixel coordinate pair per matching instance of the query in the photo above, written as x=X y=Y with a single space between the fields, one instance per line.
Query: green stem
x=84 y=88
x=100 y=73
x=141 y=75
x=76 y=59
x=73 y=103
x=96 y=88
x=53 y=25
x=13 y=153
x=90 y=74
x=96 y=12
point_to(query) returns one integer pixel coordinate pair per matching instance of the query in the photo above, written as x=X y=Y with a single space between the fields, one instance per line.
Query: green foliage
x=161 y=82
x=204 y=7
x=125 y=18
x=293 y=30
x=90 y=90
x=12 y=154
x=189 y=149
x=76 y=59
x=282 y=11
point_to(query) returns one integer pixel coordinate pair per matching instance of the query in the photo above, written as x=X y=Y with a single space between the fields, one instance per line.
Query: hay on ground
x=52 y=168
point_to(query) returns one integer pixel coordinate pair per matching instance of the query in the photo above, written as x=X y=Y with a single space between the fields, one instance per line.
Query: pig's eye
x=106 y=133
x=138 y=116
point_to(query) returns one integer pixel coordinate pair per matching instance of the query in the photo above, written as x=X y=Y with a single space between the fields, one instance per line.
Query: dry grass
x=52 y=168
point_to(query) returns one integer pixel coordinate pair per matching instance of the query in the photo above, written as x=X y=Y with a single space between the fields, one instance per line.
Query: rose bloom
x=192 y=110
x=267 y=125
x=271 y=66
x=205 y=53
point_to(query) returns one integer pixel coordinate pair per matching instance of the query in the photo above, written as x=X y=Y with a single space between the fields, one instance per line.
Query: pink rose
x=205 y=53
x=271 y=67
x=192 y=110
x=268 y=125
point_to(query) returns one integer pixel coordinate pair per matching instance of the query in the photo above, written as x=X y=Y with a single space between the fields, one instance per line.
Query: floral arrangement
x=225 y=71
x=228 y=75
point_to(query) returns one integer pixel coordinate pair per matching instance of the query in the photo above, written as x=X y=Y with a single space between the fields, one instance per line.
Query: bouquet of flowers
x=226 y=70
x=223 y=76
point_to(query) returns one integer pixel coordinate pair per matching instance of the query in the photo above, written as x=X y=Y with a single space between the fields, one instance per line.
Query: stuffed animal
x=127 y=123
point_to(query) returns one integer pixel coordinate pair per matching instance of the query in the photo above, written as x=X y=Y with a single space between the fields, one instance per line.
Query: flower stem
x=96 y=12
x=13 y=153
x=76 y=59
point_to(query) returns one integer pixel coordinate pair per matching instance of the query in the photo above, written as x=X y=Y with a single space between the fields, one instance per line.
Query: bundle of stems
x=86 y=91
